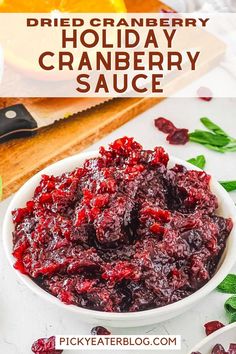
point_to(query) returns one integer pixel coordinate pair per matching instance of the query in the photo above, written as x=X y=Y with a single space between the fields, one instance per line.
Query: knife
x=24 y=120
x=16 y=122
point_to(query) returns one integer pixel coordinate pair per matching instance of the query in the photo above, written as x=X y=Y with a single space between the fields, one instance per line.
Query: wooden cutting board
x=22 y=158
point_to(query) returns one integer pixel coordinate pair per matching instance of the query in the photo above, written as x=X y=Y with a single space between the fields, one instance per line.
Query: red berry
x=232 y=348
x=205 y=94
x=19 y=214
x=157 y=228
x=164 y=125
x=160 y=157
x=45 y=198
x=218 y=349
x=178 y=137
x=212 y=326
x=121 y=270
x=175 y=135
x=45 y=346
x=100 y=331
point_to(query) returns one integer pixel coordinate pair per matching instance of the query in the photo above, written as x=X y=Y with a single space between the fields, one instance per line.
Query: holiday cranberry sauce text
x=130 y=54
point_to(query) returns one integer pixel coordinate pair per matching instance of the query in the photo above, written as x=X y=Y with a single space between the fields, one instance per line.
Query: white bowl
x=136 y=319
x=223 y=336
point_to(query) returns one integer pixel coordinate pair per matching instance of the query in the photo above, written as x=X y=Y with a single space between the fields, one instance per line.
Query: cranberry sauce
x=122 y=233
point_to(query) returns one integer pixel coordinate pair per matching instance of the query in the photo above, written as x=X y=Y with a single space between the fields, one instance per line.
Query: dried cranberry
x=218 y=349
x=205 y=94
x=212 y=326
x=175 y=136
x=45 y=346
x=100 y=331
x=164 y=125
x=178 y=137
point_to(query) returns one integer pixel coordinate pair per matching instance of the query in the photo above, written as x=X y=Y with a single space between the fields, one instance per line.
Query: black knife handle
x=16 y=122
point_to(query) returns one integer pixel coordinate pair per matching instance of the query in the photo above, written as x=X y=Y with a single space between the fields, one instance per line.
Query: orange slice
x=92 y=6
x=62 y=5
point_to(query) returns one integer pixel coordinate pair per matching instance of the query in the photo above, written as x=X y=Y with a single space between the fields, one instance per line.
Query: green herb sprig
x=228 y=286
x=230 y=309
x=198 y=161
x=229 y=186
x=215 y=138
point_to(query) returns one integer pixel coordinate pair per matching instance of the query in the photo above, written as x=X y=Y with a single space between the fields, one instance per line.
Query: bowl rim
x=212 y=336
x=79 y=158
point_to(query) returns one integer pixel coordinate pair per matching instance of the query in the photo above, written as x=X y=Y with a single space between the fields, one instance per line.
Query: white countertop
x=24 y=317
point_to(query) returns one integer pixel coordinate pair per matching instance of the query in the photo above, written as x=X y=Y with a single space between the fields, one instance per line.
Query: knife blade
x=24 y=120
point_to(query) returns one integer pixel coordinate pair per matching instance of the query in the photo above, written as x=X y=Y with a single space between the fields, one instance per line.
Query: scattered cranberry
x=212 y=327
x=218 y=349
x=175 y=135
x=178 y=137
x=205 y=94
x=164 y=125
x=122 y=233
x=100 y=331
x=45 y=346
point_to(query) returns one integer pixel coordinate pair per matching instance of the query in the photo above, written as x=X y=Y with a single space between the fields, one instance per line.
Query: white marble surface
x=24 y=317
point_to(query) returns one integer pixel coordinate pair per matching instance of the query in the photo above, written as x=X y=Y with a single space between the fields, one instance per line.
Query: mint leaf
x=215 y=148
x=215 y=139
x=229 y=186
x=213 y=127
x=230 y=308
x=228 y=285
x=204 y=137
x=230 y=148
x=232 y=317
x=198 y=161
